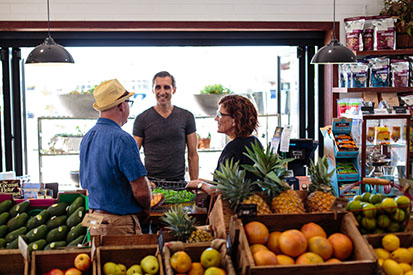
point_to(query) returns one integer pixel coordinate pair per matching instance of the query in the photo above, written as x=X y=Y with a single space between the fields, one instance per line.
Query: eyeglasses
x=220 y=115
x=130 y=102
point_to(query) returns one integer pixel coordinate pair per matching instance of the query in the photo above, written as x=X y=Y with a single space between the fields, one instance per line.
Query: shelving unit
x=406 y=117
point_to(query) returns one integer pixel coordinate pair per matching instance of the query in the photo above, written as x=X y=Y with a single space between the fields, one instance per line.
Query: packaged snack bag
x=379 y=72
x=359 y=73
x=368 y=34
x=399 y=72
x=384 y=33
x=354 y=28
x=344 y=75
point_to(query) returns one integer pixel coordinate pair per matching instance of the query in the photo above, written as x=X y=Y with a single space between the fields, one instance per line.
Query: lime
x=402 y=201
x=368 y=223
x=369 y=210
x=375 y=198
x=382 y=196
x=389 y=205
x=393 y=227
x=398 y=215
x=383 y=221
x=365 y=196
x=354 y=205
x=357 y=198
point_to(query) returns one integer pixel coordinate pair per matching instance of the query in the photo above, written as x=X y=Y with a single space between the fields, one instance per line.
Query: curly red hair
x=244 y=113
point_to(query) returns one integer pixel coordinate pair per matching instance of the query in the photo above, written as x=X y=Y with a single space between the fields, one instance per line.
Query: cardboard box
x=127 y=255
x=45 y=260
x=362 y=260
x=12 y=262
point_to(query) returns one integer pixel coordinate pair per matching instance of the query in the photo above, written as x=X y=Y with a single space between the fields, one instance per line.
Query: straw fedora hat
x=108 y=94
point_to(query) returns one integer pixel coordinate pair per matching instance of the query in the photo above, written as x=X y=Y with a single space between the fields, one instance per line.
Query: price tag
x=367 y=110
x=247 y=210
x=23 y=247
x=161 y=241
x=92 y=221
x=340 y=203
x=399 y=109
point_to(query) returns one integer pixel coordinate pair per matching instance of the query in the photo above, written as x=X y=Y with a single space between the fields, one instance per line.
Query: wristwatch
x=200 y=185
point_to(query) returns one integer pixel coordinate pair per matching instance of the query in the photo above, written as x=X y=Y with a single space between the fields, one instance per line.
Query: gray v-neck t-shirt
x=164 y=141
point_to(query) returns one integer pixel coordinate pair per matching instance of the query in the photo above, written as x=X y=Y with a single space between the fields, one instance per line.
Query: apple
x=73 y=271
x=122 y=268
x=56 y=271
x=135 y=269
x=210 y=257
x=111 y=268
x=82 y=261
x=150 y=264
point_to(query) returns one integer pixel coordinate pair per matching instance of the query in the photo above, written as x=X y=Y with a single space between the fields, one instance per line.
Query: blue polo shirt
x=109 y=160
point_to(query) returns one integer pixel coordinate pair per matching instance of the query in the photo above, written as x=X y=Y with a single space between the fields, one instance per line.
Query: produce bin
x=127 y=255
x=194 y=250
x=13 y=263
x=45 y=260
x=362 y=259
x=374 y=240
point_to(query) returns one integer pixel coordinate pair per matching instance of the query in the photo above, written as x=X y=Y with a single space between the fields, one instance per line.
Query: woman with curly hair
x=237 y=117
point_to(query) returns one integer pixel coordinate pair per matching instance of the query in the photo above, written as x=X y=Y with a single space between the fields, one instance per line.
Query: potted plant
x=79 y=103
x=209 y=97
x=402 y=10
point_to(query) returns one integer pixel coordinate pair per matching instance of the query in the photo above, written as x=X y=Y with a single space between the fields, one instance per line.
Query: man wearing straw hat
x=110 y=166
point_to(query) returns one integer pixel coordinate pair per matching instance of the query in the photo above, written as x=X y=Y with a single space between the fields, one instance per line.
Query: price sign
x=10 y=186
x=247 y=210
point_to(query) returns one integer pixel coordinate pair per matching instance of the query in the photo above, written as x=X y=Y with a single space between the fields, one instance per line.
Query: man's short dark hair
x=163 y=74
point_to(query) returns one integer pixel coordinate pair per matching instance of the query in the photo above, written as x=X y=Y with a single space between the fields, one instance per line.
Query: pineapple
x=183 y=226
x=270 y=169
x=321 y=193
x=235 y=189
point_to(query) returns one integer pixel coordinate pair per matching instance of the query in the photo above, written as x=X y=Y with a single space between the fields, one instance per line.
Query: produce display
x=183 y=226
x=209 y=263
x=81 y=264
x=393 y=258
x=306 y=245
x=175 y=196
x=57 y=226
x=377 y=213
x=148 y=265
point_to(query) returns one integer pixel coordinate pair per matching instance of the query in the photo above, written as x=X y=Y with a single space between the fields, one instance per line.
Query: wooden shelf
x=374 y=90
x=385 y=52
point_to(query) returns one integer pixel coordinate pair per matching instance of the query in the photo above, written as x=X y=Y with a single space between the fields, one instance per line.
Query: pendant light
x=49 y=52
x=334 y=52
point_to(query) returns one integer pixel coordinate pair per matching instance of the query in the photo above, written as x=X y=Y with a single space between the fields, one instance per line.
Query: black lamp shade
x=49 y=52
x=334 y=53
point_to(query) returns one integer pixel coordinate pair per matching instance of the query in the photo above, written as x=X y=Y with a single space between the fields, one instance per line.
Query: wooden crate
x=13 y=263
x=45 y=260
x=362 y=259
x=127 y=255
x=194 y=250
x=143 y=239
x=374 y=241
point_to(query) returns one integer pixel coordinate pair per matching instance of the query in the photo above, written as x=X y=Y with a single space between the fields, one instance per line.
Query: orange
x=292 y=242
x=309 y=258
x=342 y=245
x=213 y=270
x=333 y=260
x=255 y=247
x=257 y=233
x=273 y=243
x=312 y=229
x=196 y=269
x=181 y=262
x=265 y=257
x=285 y=260
x=320 y=246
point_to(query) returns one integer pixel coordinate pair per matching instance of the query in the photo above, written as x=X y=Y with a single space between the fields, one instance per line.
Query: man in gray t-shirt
x=165 y=131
